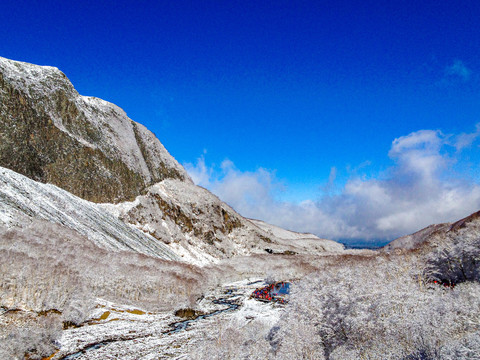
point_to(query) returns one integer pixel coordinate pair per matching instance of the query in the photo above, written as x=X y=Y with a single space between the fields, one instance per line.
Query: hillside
x=22 y=201
x=415 y=240
x=437 y=234
x=201 y=228
x=450 y=251
x=304 y=241
x=91 y=149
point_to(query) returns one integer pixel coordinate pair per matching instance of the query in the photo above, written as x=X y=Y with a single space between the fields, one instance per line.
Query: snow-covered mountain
x=82 y=144
x=304 y=241
x=90 y=148
x=413 y=241
x=201 y=228
x=72 y=162
x=23 y=200
x=438 y=235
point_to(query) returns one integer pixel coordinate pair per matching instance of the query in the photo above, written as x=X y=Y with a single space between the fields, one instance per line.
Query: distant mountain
x=437 y=234
x=304 y=241
x=91 y=149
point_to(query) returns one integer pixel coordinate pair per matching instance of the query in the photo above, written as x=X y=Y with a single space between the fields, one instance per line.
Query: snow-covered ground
x=115 y=331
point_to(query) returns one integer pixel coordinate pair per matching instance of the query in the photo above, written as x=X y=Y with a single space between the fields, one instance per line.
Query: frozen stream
x=128 y=333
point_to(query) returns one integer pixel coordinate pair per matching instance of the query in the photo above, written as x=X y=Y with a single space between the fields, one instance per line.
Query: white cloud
x=418 y=190
x=463 y=140
x=199 y=172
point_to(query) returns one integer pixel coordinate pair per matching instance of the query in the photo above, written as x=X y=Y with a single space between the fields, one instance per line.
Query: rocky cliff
x=84 y=145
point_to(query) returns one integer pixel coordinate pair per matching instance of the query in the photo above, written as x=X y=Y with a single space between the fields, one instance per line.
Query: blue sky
x=308 y=114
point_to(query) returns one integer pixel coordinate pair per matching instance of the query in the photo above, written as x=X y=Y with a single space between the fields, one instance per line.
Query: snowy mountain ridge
x=204 y=229
x=118 y=134
x=437 y=235
x=283 y=233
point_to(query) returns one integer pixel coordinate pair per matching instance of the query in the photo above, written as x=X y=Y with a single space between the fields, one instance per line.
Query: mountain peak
x=88 y=146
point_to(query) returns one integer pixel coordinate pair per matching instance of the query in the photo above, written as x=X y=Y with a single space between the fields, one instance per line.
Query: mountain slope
x=434 y=235
x=90 y=148
x=415 y=240
x=203 y=229
x=84 y=145
x=22 y=200
x=298 y=240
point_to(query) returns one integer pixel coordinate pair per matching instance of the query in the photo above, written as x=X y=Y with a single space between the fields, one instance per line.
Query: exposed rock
x=189 y=314
x=196 y=224
x=84 y=145
x=203 y=229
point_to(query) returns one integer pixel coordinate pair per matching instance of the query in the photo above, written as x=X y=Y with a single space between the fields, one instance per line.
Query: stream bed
x=90 y=350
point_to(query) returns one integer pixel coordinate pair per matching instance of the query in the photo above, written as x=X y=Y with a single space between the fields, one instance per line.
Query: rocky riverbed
x=117 y=331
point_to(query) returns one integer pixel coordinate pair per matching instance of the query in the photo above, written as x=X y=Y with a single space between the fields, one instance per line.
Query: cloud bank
x=418 y=190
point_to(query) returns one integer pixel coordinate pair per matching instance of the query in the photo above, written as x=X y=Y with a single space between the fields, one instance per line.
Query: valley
x=136 y=334
x=109 y=250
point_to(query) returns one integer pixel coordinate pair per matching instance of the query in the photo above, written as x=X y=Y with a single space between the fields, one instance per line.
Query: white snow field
x=120 y=332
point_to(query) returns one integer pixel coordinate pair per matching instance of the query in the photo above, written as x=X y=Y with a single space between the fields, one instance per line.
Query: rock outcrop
x=84 y=145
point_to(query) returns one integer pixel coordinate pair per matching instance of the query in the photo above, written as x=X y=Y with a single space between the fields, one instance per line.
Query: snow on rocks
x=22 y=200
x=115 y=133
x=128 y=160
x=122 y=331
x=202 y=229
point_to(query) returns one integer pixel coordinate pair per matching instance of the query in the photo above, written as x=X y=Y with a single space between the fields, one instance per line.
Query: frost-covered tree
x=50 y=272
x=455 y=257
x=379 y=308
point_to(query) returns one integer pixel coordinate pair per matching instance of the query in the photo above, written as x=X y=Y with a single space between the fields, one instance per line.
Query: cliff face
x=84 y=145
